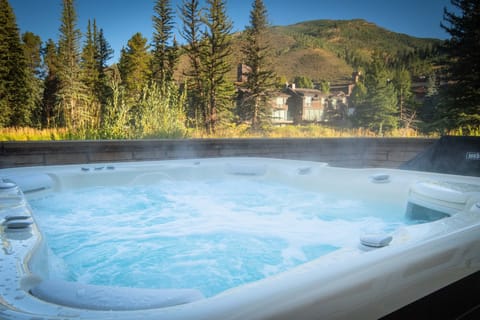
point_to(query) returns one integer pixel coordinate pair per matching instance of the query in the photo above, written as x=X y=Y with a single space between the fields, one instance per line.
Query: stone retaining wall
x=346 y=152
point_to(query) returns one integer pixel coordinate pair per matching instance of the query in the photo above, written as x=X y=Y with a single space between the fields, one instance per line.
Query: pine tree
x=71 y=93
x=429 y=106
x=215 y=64
x=163 y=54
x=135 y=66
x=190 y=15
x=461 y=105
x=260 y=77
x=49 y=115
x=15 y=109
x=378 y=111
x=407 y=108
x=32 y=45
x=104 y=51
x=90 y=70
x=91 y=75
x=172 y=59
x=358 y=95
x=103 y=54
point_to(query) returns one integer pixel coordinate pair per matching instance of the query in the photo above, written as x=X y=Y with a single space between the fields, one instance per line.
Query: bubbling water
x=211 y=235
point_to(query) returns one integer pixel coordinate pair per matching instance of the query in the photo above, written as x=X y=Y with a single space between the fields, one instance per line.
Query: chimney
x=240 y=76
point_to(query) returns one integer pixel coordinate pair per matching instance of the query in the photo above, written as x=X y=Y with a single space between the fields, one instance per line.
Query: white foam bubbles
x=211 y=235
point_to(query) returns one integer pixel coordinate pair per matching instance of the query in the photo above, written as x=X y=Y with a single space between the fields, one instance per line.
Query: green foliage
x=303 y=82
x=91 y=75
x=104 y=51
x=117 y=117
x=164 y=55
x=190 y=16
x=15 y=98
x=378 y=111
x=32 y=45
x=354 y=39
x=96 y=51
x=32 y=48
x=135 y=65
x=302 y=45
x=157 y=113
x=90 y=70
x=324 y=86
x=460 y=106
x=161 y=112
x=260 y=76
x=419 y=62
x=406 y=104
x=215 y=54
x=427 y=111
x=49 y=115
x=71 y=93
x=358 y=95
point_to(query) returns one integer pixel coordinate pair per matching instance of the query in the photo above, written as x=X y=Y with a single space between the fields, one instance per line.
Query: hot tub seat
x=85 y=296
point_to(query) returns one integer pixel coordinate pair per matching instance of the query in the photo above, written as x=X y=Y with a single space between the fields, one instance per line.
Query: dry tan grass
x=32 y=134
x=231 y=131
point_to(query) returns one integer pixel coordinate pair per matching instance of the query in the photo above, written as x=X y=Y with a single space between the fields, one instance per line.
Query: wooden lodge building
x=292 y=105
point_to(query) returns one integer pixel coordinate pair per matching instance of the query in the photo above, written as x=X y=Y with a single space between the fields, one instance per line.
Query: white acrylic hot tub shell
x=348 y=283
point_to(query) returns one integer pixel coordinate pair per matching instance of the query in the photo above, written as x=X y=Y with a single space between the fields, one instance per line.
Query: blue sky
x=120 y=19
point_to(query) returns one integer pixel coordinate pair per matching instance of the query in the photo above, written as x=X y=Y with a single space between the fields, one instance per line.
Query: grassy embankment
x=309 y=131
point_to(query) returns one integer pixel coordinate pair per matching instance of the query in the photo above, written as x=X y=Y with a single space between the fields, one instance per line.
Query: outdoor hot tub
x=230 y=238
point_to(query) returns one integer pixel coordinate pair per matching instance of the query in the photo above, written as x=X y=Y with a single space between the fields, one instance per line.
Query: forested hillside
x=331 y=50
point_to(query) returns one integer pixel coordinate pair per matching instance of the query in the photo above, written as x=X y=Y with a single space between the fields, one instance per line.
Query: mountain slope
x=329 y=49
x=357 y=33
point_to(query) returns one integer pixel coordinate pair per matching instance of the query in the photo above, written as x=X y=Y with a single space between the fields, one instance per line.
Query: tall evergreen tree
x=32 y=45
x=104 y=51
x=461 y=105
x=190 y=15
x=71 y=93
x=90 y=70
x=163 y=53
x=50 y=116
x=91 y=75
x=135 y=66
x=429 y=105
x=359 y=94
x=15 y=109
x=378 y=111
x=172 y=59
x=260 y=77
x=403 y=86
x=215 y=64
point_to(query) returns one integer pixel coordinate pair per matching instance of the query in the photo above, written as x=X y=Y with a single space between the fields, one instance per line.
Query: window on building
x=308 y=101
x=280 y=101
x=313 y=114
x=279 y=115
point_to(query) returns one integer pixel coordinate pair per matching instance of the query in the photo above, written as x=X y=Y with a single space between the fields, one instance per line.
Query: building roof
x=307 y=92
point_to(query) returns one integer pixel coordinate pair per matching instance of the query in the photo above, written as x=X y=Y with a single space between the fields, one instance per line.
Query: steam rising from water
x=211 y=235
